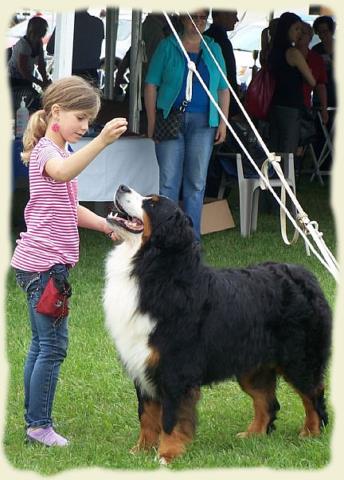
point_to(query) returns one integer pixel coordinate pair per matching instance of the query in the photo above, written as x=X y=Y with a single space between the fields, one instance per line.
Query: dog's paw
x=134 y=450
x=163 y=462
x=306 y=433
x=243 y=434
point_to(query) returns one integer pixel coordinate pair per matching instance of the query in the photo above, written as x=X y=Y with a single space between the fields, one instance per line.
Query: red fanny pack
x=54 y=300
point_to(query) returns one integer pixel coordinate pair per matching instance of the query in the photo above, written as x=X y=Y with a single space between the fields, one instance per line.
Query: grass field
x=95 y=404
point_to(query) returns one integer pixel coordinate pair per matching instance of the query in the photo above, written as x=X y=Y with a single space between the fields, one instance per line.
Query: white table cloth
x=130 y=161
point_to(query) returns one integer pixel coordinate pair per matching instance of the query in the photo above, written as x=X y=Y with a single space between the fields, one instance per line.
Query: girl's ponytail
x=35 y=130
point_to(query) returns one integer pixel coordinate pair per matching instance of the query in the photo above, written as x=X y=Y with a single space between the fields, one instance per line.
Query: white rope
x=328 y=261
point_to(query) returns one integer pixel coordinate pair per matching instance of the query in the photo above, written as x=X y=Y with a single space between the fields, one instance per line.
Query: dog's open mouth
x=120 y=217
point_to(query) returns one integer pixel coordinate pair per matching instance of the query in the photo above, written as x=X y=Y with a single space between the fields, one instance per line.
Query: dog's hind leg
x=179 y=425
x=150 y=423
x=316 y=415
x=261 y=386
x=315 y=410
x=309 y=385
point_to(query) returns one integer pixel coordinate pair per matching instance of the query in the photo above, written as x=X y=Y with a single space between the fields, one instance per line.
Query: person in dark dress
x=290 y=70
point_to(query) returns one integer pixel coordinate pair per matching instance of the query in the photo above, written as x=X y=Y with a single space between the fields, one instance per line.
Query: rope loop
x=315 y=225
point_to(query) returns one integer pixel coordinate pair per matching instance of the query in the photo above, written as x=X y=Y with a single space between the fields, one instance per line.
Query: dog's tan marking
x=150 y=422
x=174 y=444
x=153 y=358
x=147 y=228
x=311 y=427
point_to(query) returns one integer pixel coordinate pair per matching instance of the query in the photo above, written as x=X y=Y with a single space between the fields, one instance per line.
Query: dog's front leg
x=150 y=423
x=178 y=425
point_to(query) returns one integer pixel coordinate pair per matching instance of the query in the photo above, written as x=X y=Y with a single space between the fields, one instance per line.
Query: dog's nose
x=124 y=189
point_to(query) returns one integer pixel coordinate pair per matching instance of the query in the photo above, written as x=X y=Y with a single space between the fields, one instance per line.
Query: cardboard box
x=216 y=216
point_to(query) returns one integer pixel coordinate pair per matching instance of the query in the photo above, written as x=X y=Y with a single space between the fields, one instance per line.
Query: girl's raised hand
x=113 y=130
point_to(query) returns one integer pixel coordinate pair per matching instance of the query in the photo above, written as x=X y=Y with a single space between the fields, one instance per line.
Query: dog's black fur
x=251 y=324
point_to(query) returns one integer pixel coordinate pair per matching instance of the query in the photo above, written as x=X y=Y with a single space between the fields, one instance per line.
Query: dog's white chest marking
x=129 y=328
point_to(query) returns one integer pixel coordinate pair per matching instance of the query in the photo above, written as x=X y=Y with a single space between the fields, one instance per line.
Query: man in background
x=224 y=21
x=87 y=45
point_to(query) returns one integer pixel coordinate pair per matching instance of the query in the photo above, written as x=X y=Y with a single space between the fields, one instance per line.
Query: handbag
x=168 y=128
x=54 y=300
x=259 y=94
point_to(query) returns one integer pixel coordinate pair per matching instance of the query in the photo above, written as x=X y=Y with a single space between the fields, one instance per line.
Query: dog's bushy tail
x=308 y=330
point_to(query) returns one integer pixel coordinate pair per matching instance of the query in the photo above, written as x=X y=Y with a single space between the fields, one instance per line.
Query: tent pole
x=110 y=51
x=135 y=72
x=64 y=39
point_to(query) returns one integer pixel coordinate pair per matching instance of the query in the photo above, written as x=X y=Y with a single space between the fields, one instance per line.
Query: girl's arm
x=68 y=168
x=295 y=59
x=89 y=219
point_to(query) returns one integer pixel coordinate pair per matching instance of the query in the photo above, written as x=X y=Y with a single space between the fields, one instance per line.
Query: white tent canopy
x=64 y=53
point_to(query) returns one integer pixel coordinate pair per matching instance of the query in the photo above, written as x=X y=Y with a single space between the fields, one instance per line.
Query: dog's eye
x=152 y=204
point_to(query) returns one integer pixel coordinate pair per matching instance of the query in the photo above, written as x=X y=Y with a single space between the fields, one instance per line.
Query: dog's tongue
x=130 y=223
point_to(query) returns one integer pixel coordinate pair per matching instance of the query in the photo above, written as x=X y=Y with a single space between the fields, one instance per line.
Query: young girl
x=50 y=246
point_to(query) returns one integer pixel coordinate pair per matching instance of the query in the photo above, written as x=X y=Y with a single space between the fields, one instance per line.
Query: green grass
x=95 y=405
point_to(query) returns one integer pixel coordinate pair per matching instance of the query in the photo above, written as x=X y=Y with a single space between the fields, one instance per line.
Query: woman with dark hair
x=27 y=53
x=183 y=161
x=290 y=69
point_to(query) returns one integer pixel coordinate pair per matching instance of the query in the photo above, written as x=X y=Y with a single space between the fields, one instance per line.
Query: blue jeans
x=47 y=350
x=183 y=163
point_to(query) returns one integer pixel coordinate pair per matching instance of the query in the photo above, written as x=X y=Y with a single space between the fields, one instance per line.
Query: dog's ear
x=175 y=232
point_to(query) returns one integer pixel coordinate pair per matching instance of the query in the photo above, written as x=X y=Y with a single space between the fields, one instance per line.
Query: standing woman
x=183 y=161
x=290 y=69
x=27 y=53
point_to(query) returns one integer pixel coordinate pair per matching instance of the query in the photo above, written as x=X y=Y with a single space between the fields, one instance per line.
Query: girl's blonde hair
x=70 y=93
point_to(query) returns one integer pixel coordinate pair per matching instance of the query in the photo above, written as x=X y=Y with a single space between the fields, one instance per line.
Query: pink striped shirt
x=51 y=216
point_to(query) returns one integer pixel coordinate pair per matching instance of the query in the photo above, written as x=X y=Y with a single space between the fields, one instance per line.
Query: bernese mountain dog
x=179 y=324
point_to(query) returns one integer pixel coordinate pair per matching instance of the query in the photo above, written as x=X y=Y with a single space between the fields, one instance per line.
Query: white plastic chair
x=249 y=189
x=326 y=150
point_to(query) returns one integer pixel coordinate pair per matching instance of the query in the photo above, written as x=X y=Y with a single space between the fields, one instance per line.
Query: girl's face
x=73 y=124
x=200 y=18
x=295 y=32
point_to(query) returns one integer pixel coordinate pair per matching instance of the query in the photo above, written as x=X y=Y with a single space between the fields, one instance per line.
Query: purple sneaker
x=47 y=436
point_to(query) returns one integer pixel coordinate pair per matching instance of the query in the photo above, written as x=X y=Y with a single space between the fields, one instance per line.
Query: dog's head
x=154 y=218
